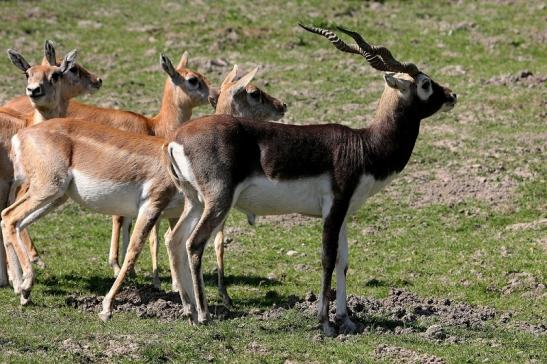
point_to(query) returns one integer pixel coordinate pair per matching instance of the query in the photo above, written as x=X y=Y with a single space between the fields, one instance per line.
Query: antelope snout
x=34 y=91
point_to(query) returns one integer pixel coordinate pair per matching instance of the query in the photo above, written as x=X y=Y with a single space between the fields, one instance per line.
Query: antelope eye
x=255 y=94
x=74 y=69
x=193 y=81
x=55 y=76
x=426 y=85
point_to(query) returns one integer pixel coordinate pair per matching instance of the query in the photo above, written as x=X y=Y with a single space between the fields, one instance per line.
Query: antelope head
x=411 y=87
x=188 y=87
x=243 y=99
x=78 y=80
x=44 y=82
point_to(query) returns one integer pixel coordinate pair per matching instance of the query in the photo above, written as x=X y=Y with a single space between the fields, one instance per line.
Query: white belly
x=106 y=196
x=307 y=196
x=263 y=196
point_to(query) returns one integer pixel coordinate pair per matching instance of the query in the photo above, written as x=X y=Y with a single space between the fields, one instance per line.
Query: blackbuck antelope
x=49 y=87
x=184 y=89
x=101 y=168
x=242 y=99
x=116 y=175
x=327 y=171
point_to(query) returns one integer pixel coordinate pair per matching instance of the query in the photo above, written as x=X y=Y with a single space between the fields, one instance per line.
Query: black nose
x=285 y=107
x=453 y=97
x=100 y=81
x=37 y=91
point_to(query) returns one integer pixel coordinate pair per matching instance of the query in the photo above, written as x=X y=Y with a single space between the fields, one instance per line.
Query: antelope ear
x=183 y=60
x=69 y=61
x=397 y=83
x=49 y=53
x=230 y=77
x=18 y=60
x=243 y=81
x=167 y=66
x=213 y=100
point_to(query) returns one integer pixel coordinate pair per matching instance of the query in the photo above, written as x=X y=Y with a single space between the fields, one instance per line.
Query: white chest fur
x=368 y=186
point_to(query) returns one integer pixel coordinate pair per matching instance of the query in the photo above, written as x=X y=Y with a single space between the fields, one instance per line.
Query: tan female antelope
x=327 y=171
x=49 y=87
x=184 y=89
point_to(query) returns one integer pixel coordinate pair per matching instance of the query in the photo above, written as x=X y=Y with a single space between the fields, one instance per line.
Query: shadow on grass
x=68 y=283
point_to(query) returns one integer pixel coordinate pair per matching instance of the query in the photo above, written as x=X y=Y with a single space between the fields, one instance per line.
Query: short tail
x=172 y=166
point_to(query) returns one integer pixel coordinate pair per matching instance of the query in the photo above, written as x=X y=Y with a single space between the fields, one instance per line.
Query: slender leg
x=331 y=232
x=219 y=252
x=348 y=326
x=210 y=222
x=166 y=237
x=4 y=195
x=148 y=215
x=24 y=236
x=178 y=257
x=117 y=222
x=27 y=209
x=153 y=241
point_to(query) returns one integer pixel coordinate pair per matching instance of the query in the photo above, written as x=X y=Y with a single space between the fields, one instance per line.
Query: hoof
x=105 y=316
x=328 y=329
x=348 y=327
x=40 y=263
x=25 y=298
x=226 y=299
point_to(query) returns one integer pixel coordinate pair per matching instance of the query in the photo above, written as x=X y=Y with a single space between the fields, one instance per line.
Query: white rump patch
x=181 y=164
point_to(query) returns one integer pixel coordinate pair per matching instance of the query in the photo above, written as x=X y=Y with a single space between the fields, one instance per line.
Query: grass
x=462 y=243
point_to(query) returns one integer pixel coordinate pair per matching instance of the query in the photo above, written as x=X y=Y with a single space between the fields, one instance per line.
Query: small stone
x=291 y=253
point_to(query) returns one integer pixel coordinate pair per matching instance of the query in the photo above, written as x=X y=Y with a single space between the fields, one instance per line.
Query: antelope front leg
x=117 y=222
x=348 y=327
x=4 y=279
x=34 y=257
x=145 y=221
x=333 y=223
x=219 y=252
x=153 y=241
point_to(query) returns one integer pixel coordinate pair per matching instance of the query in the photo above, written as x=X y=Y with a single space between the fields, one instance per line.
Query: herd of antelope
x=193 y=171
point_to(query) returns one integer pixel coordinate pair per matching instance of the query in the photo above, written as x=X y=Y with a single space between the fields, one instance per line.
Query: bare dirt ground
x=401 y=312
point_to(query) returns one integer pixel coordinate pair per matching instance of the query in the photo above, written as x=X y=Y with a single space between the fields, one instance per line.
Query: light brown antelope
x=101 y=168
x=184 y=89
x=242 y=99
x=327 y=171
x=49 y=87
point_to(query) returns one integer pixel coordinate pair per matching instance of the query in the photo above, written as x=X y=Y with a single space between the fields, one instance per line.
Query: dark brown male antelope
x=327 y=171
